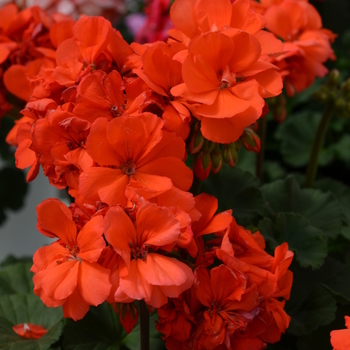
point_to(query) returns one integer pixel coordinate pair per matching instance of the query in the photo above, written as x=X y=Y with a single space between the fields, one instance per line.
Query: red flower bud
x=230 y=154
x=251 y=140
x=202 y=165
x=216 y=159
x=196 y=143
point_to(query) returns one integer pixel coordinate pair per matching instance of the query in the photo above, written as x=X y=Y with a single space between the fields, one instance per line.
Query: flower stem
x=261 y=155
x=311 y=170
x=144 y=326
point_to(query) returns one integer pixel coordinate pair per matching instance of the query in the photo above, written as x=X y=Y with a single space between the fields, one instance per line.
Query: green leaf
x=16 y=278
x=16 y=309
x=321 y=209
x=317 y=310
x=296 y=135
x=100 y=329
x=302 y=238
x=237 y=190
x=338 y=282
x=341 y=192
x=342 y=148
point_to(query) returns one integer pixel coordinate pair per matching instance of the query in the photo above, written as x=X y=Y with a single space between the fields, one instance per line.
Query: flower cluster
x=28 y=42
x=306 y=43
x=110 y=122
x=236 y=304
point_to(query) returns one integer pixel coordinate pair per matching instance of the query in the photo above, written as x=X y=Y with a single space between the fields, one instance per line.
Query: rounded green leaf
x=302 y=238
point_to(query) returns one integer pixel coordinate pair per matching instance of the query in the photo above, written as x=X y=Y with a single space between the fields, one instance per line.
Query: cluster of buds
x=335 y=93
x=209 y=156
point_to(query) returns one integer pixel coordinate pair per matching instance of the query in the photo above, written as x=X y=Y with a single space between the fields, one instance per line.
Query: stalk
x=311 y=170
x=261 y=155
x=144 y=326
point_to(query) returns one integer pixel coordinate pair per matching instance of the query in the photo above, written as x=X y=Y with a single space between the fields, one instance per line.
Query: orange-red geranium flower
x=340 y=339
x=135 y=156
x=306 y=44
x=230 y=307
x=29 y=330
x=225 y=77
x=144 y=273
x=66 y=271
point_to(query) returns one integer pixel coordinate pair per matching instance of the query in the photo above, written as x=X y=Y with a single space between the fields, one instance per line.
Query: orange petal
x=225 y=106
x=93 y=35
x=60 y=281
x=120 y=232
x=166 y=231
x=90 y=240
x=55 y=220
x=75 y=307
x=173 y=168
x=90 y=276
x=165 y=271
x=95 y=185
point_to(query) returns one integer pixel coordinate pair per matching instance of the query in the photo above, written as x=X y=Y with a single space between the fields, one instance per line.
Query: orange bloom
x=226 y=78
x=306 y=43
x=195 y=17
x=99 y=92
x=145 y=274
x=29 y=330
x=340 y=339
x=135 y=156
x=229 y=306
x=59 y=140
x=66 y=270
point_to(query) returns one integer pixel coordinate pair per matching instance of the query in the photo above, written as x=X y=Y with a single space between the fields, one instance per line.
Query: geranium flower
x=135 y=156
x=67 y=272
x=225 y=78
x=144 y=273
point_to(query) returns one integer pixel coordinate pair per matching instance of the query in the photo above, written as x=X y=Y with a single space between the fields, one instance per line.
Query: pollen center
x=128 y=168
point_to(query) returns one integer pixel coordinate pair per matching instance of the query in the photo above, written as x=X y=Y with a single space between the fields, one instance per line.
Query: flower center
x=128 y=168
x=138 y=253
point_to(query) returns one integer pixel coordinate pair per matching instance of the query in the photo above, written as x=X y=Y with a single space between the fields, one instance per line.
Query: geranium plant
x=164 y=242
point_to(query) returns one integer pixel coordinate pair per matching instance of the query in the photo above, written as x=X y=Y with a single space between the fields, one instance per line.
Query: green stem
x=311 y=170
x=144 y=326
x=195 y=185
x=261 y=155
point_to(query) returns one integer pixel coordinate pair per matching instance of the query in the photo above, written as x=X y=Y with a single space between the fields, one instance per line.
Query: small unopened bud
x=202 y=165
x=251 y=141
x=230 y=154
x=333 y=78
x=216 y=160
x=345 y=87
x=196 y=143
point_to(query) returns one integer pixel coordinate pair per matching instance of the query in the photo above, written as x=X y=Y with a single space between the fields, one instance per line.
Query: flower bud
x=345 y=87
x=251 y=141
x=216 y=159
x=230 y=154
x=333 y=78
x=196 y=143
x=202 y=165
